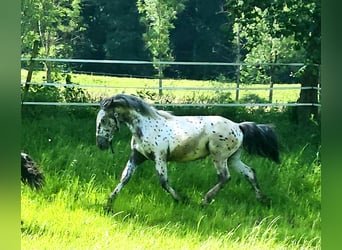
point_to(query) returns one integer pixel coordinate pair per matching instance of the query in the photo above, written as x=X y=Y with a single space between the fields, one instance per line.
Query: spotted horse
x=162 y=137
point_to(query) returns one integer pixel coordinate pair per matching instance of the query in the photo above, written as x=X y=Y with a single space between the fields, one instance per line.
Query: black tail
x=260 y=139
x=30 y=174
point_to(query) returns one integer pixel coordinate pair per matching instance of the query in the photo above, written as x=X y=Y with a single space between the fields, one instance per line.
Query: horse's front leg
x=161 y=167
x=135 y=159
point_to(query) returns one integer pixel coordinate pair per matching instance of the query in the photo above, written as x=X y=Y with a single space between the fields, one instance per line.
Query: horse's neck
x=137 y=122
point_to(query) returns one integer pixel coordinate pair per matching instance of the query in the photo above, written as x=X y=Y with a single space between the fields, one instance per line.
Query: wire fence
x=182 y=104
x=155 y=62
x=238 y=87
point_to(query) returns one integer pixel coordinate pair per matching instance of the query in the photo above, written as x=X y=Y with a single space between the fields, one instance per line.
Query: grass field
x=68 y=213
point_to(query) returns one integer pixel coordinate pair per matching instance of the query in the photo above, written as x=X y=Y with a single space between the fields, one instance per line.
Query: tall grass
x=68 y=213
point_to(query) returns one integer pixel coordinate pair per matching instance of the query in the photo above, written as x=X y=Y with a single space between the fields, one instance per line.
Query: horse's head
x=116 y=109
x=106 y=124
x=107 y=120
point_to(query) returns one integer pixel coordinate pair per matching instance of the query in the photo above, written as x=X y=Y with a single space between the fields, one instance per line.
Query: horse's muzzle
x=103 y=142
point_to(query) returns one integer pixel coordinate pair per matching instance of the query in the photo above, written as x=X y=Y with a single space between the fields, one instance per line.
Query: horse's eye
x=104 y=122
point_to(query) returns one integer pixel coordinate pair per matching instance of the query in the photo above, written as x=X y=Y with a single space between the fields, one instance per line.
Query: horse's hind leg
x=249 y=174
x=223 y=178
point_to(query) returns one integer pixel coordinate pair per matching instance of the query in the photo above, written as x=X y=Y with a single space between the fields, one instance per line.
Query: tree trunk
x=31 y=68
x=308 y=79
x=48 y=72
x=270 y=95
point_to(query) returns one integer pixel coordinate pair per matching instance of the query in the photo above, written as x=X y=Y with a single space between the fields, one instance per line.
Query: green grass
x=131 y=85
x=68 y=212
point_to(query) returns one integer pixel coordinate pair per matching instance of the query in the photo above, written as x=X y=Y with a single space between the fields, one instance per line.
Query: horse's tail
x=30 y=174
x=260 y=139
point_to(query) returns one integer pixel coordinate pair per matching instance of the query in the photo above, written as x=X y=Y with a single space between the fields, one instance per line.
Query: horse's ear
x=106 y=103
x=109 y=103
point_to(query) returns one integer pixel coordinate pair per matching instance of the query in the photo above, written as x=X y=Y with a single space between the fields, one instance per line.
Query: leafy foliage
x=188 y=30
x=283 y=20
x=203 y=32
x=158 y=16
x=55 y=24
x=74 y=94
x=265 y=46
x=112 y=33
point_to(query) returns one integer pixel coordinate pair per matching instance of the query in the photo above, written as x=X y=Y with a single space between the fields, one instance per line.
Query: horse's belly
x=192 y=149
x=182 y=156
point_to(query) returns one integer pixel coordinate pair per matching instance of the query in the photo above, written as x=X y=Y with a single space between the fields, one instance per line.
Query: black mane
x=131 y=102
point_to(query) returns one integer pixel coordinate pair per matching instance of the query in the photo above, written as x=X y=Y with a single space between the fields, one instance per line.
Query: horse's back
x=198 y=136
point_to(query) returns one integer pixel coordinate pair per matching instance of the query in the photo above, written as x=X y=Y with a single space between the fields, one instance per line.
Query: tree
x=297 y=19
x=202 y=33
x=158 y=16
x=54 y=23
x=112 y=33
x=263 y=44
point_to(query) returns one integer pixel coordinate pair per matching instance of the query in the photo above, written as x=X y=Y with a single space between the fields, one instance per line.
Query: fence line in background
x=72 y=85
x=237 y=89
x=155 y=62
x=181 y=104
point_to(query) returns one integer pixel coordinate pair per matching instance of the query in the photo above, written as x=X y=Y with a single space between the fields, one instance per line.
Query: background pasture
x=177 y=91
x=68 y=212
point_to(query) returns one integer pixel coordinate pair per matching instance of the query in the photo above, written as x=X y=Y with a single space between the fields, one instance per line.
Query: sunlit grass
x=68 y=213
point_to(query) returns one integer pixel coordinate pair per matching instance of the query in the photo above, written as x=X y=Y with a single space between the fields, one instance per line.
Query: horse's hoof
x=109 y=205
x=108 y=209
x=182 y=199
x=203 y=205
x=265 y=201
x=205 y=202
x=185 y=200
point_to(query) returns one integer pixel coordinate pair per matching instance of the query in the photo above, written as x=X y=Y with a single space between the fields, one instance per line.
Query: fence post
x=238 y=62
x=31 y=68
x=237 y=84
x=160 y=73
x=270 y=96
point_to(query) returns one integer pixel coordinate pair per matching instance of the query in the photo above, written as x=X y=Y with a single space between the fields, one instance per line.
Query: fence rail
x=183 y=104
x=156 y=62
x=72 y=85
x=238 y=88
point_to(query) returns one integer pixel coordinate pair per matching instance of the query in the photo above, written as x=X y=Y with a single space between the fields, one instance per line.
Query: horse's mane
x=140 y=106
x=165 y=114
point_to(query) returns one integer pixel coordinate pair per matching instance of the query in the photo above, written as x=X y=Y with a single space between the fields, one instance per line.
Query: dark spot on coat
x=139 y=132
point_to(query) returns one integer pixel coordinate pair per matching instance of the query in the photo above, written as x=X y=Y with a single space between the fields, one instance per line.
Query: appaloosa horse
x=160 y=136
